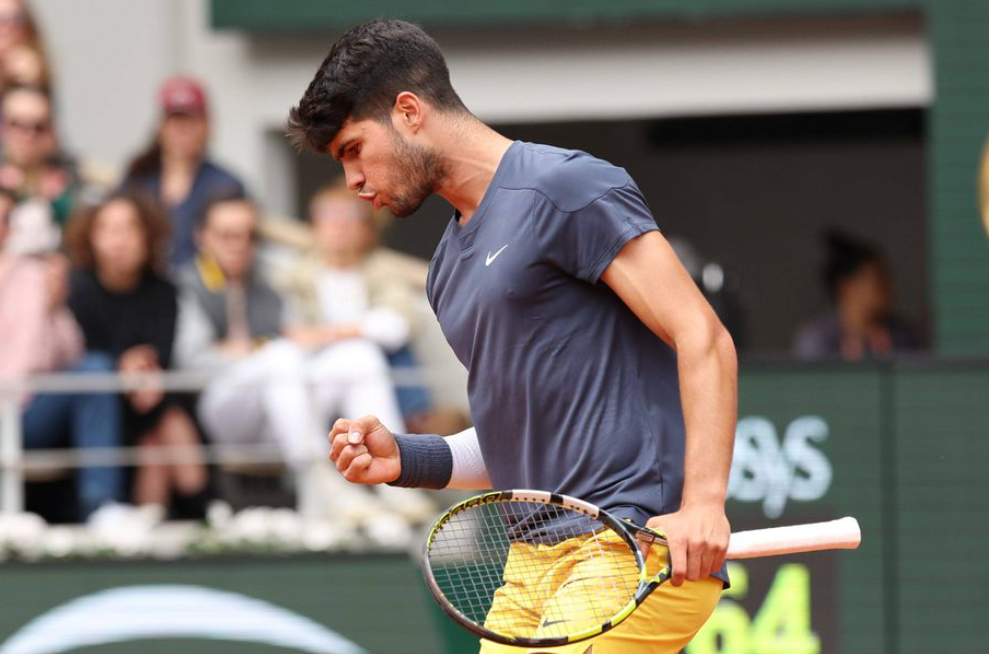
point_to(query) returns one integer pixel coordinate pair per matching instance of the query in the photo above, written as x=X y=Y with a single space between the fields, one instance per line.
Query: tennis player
x=596 y=367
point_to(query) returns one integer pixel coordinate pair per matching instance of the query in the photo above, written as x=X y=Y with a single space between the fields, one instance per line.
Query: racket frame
x=632 y=534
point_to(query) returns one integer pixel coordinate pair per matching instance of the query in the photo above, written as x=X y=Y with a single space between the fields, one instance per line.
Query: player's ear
x=407 y=114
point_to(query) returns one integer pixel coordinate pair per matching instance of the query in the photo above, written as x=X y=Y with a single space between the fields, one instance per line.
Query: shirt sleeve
x=584 y=242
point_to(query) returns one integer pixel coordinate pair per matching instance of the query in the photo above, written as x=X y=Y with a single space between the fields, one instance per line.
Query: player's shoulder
x=568 y=179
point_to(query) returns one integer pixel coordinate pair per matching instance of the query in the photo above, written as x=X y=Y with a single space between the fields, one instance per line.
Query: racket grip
x=842 y=534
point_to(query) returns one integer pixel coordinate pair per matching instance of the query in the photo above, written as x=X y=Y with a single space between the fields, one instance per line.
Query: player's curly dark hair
x=368 y=66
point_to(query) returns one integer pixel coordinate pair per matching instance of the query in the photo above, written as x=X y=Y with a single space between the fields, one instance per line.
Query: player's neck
x=471 y=159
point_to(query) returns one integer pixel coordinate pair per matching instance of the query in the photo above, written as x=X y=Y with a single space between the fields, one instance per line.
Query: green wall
x=959 y=120
x=316 y=16
x=942 y=499
x=904 y=448
x=909 y=449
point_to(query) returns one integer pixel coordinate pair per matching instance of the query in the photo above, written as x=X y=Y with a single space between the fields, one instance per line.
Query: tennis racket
x=536 y=569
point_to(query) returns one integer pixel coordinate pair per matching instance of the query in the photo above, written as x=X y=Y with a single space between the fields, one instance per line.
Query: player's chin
x=403 y=209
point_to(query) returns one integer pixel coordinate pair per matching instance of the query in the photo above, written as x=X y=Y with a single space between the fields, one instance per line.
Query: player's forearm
x=708 y=371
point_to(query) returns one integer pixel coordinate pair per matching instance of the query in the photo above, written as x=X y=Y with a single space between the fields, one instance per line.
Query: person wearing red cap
x=175 y=168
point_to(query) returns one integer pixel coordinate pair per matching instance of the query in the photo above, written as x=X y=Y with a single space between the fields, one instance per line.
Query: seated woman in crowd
x=128 y=311
x=40 y=335
x=861 y=324
x=175 y=169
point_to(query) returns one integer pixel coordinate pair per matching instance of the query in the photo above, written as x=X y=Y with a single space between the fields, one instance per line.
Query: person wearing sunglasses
x=30 y=161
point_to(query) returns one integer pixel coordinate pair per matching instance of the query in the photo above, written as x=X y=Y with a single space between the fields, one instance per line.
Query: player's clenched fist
x=365 y=451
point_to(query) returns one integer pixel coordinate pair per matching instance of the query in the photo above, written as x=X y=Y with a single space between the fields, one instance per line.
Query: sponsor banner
x=320 y=605
x=807 y=449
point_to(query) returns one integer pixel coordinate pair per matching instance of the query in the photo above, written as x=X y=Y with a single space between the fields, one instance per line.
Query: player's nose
x=355 y=179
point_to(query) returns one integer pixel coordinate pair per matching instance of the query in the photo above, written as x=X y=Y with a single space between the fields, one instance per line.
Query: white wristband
x=469 y=472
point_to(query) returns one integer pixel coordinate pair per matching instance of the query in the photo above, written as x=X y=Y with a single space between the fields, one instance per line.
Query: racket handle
x=843 y=534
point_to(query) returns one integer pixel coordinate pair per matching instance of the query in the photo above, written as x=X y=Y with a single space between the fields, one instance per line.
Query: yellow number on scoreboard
x=782 y=624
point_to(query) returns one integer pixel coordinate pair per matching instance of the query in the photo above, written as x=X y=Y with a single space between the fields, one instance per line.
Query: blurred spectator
x=31 y=230
x=175 y=169
x=40 y=335
x=126 y=310
x=230 y=323
x=30 y=162
x=348 y=311
x=342 y=292
x=268 y=388
x=23 y=60
x=861 y=324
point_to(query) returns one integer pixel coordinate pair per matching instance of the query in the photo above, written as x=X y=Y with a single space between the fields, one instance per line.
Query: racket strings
x=532 y=570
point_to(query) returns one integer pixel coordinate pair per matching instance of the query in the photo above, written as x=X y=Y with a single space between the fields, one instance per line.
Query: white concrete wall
x=110 y=56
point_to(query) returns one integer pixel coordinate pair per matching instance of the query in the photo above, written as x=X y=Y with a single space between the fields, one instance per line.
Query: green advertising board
x=808 y=448
x=328 y=605
x=903 y=448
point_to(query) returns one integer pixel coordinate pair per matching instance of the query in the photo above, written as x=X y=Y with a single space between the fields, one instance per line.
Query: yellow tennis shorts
x=663 y=624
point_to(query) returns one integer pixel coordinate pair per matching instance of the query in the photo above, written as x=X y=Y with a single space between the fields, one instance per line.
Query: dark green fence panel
x=809 y=448
x=942 y=454
x=959 y=121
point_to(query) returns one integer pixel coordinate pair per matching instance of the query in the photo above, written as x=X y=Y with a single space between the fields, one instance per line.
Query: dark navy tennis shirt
x=569 y=391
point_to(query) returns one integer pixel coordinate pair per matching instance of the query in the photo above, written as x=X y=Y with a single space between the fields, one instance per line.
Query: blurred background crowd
x=169 y=261
x=158 y=269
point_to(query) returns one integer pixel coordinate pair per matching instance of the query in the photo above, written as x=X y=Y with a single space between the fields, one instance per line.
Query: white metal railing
x=15 y=461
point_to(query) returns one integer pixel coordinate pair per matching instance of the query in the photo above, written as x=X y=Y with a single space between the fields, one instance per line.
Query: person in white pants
x=268 y=388
x=345 y=301
x=281 y=391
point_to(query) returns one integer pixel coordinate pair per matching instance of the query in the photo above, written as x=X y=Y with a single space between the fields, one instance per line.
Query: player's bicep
x=648 y=276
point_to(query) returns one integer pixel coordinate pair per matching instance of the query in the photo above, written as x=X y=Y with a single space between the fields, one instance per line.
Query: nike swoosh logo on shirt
x=492 y=257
